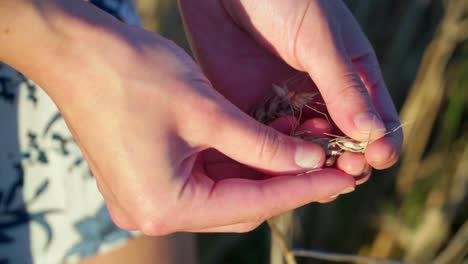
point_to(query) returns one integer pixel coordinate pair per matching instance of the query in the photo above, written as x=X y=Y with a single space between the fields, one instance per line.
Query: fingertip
x=308 y=155
x=353 y=164
x=382 y=153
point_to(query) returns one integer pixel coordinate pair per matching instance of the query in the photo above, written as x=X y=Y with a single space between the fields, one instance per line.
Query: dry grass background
x=416 y=211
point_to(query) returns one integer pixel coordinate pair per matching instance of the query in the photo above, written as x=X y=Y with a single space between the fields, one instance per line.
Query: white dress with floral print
x=50 y=208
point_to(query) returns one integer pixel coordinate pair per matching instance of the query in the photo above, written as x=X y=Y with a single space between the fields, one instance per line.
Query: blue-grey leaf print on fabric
x=6 y=90
x=32 y=91
x=16 y=217
x=11 y=216
x=56 y=117
x=40 y=190
x=95 y=231
x=11 y=82
x=64 y=144
x=15 y=188
x=40 y=219
x=34 y=147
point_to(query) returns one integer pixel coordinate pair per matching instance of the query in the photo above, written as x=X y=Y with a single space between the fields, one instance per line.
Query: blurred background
x=416 y=211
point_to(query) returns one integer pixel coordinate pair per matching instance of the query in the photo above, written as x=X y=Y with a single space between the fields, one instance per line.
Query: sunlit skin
x=245 y=46
x=147 y=119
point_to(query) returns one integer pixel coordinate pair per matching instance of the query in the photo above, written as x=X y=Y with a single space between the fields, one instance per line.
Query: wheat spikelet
x=283 y=103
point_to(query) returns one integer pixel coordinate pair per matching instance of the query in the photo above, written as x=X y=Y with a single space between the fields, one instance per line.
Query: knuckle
x=351 y=90
x=369 y=68
x=153 y=226
x=270 y=144
x=123 y=225
x=121 y=221
x=207 y=117
x=152 y=220
x=211 y=113
x=208 y=107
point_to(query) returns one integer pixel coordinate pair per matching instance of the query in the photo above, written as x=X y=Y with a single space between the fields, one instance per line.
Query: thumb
x=249 y=142
x=344 y=93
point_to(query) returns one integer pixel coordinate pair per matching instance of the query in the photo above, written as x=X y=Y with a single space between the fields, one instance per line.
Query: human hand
x=146 y=119
x=245 y=46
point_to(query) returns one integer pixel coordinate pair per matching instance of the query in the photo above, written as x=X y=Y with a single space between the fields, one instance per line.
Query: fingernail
x=367 y=169
x=332 y=198
x=308 y=156
x=385 y=156
x=369 y=122
x=347 y=190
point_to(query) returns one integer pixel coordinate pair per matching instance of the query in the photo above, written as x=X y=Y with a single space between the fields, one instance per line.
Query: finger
x=221 y=167
x=235 y=228
x=328 y=200
x=356 y=165
x=249 y=142
x=233 y=201
x=384 y=152
x=285 y=124
x=365 y=176
x=314 y=127
x=352 y=163
x=230 y=169
x=345 y=95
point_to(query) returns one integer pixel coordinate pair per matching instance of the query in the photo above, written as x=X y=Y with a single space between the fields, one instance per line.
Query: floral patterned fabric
x=50 y=208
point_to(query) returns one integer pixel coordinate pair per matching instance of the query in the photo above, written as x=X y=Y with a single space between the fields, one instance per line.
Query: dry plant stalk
x=423 y=242
x=428 y=89
x=291 y=254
